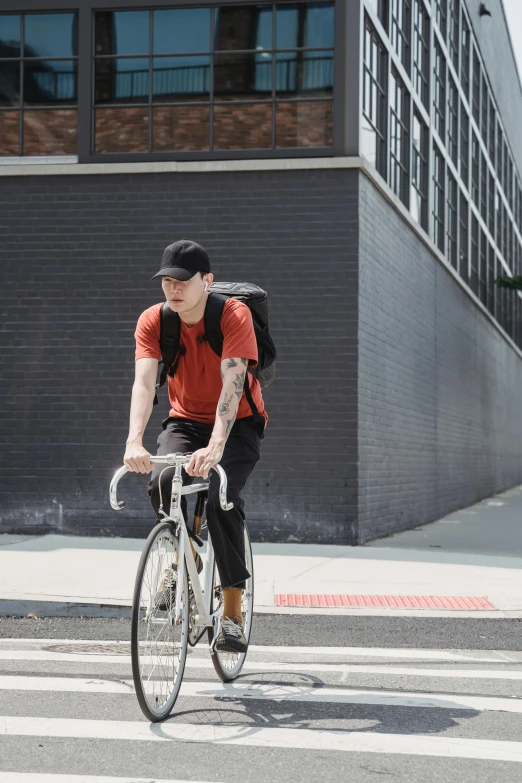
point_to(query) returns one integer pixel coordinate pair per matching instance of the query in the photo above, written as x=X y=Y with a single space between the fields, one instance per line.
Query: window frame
x=85 y=145
x=22 y=107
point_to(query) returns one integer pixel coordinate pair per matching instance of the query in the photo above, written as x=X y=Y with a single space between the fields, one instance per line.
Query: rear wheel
x=158 y=643
x=228 y=665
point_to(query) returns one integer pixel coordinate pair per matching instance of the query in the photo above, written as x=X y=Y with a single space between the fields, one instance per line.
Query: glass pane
x=10 y=83
x=50 y=132
x=122 y=32
x=123 y=81
x=50 y=81
x=243 y=27
x=122 y=130
x=304 y=72
x=9 y=132
x=50 y=35
x=181 y=31
x=243 y=126
x=9 y=36
x=180 y=78
x=180 y=128
x=242 y=76
x=305 y=25
x=304 y=124
x=369 y=142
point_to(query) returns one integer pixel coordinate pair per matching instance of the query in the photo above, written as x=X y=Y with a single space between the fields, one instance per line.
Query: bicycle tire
x=228 y=666
x=155 y=704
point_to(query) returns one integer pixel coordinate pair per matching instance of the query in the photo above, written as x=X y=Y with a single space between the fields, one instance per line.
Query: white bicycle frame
x=204 y=617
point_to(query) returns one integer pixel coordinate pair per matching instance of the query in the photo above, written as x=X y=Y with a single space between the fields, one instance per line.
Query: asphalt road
x=423 y=701
x=309 y=630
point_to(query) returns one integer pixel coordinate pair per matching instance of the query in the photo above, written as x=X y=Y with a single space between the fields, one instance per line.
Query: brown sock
x=232 y=603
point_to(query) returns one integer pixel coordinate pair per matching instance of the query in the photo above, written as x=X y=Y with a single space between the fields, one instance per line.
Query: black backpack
x=248 y=293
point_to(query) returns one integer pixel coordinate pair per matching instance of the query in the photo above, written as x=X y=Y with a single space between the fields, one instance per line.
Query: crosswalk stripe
x=486 y=656
x=275 y=666
x=42 y=777
x=276 y=693
x=263 y=737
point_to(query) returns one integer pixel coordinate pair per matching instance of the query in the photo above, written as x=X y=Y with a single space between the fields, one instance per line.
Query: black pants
x=242 y=452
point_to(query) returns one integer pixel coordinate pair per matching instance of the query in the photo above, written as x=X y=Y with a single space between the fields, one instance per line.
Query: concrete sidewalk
x=473 y=552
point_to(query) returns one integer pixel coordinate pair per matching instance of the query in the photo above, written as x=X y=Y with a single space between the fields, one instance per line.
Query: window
x=264 y=81
x=438 y=199
x=492 y=126
x=419 y=172
x=500 y=146
x=453 y=121
x=373 y=141
x=441 y=15
x=491 y=203
x=483 y=269
x=476 y=87
x=453 y=32
x=475 y=170
x=380 y=7
x=464 y=237
x=464 y=145
x=421 y=51
x=509 y=192
x=483 y=188
x=439 y=97
x=518 y=206
x=451 y=220
x=465 y=56
x=505 y=167
x=484 y=121
x=399 y=137
x=401 y=30
x=498 y=221
x=38 y=84
x=475 y=259
x=492 y=275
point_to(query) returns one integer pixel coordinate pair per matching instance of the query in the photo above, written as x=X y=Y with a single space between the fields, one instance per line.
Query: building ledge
x=13 y=167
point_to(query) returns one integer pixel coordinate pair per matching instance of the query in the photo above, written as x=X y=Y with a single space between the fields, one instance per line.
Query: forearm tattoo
x=225 y=406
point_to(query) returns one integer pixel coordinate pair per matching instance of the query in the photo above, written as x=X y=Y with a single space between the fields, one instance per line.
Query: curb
x=19 y=608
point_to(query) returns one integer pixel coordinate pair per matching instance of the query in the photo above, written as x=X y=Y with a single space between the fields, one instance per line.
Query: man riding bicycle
x=210 y=415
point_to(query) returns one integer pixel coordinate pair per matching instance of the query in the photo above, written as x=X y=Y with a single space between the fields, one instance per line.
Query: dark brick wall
x=77 y=254
x=440 y=415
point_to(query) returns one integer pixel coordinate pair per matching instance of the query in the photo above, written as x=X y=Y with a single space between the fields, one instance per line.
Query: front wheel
x=228 y=665
x=158 y=642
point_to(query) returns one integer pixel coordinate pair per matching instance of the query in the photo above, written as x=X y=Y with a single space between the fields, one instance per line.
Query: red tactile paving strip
x=388 y=601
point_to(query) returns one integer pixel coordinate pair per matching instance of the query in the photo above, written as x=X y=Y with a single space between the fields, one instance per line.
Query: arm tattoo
x=238 y=384
x=230 y=424
x=225 y=406
x=232 y=363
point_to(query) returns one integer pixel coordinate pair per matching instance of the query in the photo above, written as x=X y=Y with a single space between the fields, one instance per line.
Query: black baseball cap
x=182 y=260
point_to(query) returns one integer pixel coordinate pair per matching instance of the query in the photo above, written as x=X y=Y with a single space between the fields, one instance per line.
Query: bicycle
x=160 y=636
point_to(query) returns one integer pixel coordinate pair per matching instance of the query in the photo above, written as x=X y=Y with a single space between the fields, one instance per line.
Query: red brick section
x=387 y=601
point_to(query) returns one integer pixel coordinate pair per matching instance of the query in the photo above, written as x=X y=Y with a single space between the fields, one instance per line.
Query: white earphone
x=206 y=287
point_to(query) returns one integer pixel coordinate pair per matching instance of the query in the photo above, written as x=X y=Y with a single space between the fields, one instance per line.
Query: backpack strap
x=214 y=336
x=170 y=345
x=212 y=320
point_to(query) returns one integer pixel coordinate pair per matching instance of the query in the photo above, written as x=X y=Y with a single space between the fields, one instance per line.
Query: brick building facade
x=346 y=185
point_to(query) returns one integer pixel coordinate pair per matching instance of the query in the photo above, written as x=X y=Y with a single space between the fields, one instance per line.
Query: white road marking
x=486 y=656
x=276 y=693
x=263 y=737
x=39 y=777
x=300 y=667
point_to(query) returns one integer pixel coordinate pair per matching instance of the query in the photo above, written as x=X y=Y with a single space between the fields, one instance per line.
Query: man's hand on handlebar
x=137 y=458
x=203 y=460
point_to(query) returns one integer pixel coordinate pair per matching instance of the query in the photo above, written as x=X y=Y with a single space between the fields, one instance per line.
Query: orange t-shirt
x=196 y=387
